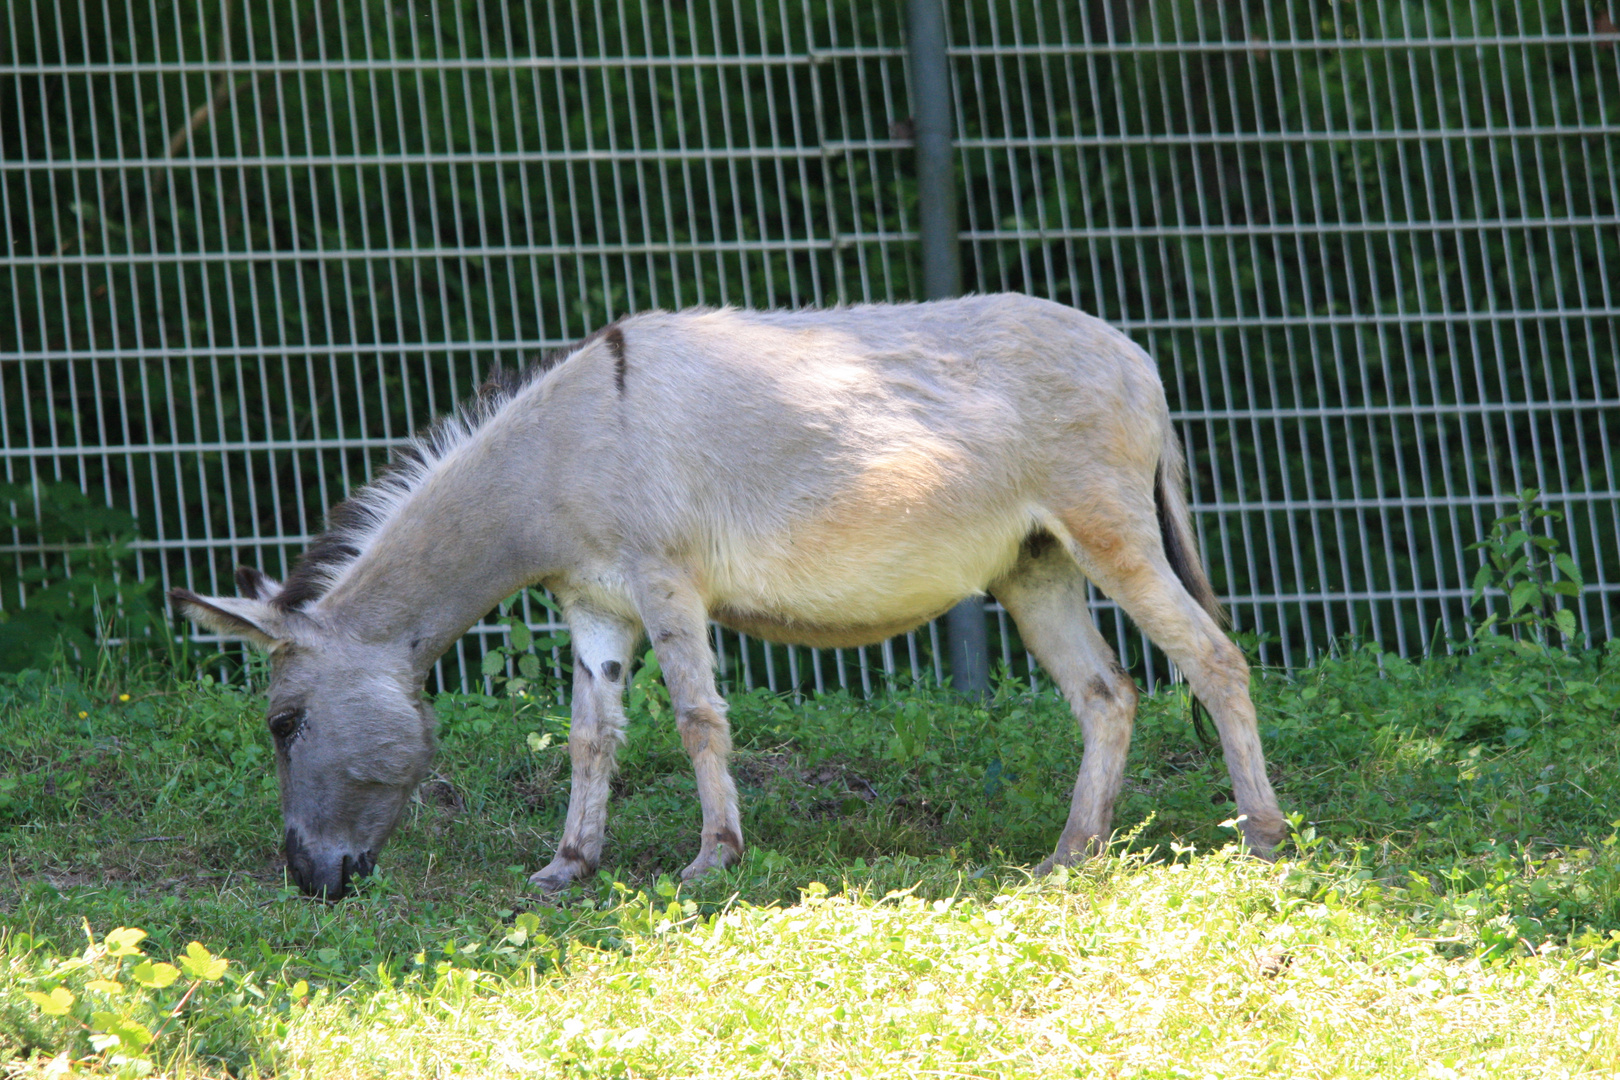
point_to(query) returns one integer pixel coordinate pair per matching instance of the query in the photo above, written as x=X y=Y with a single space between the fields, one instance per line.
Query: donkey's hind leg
x=677 y=624
x=1046 y=595
x=1119 y=548
x=602 y=647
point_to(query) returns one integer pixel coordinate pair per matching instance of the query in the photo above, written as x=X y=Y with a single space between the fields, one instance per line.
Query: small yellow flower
x=123 y=697
x=84 y=716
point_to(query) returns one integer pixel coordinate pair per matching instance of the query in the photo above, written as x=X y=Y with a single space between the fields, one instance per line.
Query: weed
x=520 y=651
x=1526 y=565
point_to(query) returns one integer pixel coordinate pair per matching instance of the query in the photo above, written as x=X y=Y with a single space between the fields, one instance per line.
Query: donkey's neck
x=455 y=548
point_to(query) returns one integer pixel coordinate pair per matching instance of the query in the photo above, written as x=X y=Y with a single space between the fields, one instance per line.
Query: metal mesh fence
x=251 y=247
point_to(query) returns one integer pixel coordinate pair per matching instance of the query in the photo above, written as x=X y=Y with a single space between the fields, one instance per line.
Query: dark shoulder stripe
x=614 y=337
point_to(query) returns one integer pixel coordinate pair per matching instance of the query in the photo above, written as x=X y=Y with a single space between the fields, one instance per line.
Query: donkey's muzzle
x=327 y=877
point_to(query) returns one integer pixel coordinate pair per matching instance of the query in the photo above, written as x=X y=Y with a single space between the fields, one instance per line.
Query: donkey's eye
x=285 y=723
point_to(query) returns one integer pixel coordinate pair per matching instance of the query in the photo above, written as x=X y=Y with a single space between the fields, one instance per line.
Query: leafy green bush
x=78 y=590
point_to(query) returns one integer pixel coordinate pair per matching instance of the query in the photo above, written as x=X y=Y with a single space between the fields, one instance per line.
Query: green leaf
x=123 y=941
x=1567 y=566
x=494 y=662
x=1565 y=621
x=529 y=665
x=199 y=963
x=1525 y=594
x=55 y=1003
x=130 y=1033
x=156 y=976
x=1482 y=581
x=521 y=636
x=1517 y=540
x=105 y=986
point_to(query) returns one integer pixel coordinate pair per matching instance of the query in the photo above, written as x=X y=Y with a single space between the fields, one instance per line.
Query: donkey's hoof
x=557 y=876
x=1072 y=858
x=1263 y=852
x=1071 y=854
x=720 y=857
x=1262 y=836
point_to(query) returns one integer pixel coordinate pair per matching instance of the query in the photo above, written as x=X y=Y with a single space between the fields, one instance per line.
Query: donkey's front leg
x=677 y=625
x=602 y=647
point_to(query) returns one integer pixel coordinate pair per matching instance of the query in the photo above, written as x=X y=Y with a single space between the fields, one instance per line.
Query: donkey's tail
x=1175 y=526
x=1175 y=529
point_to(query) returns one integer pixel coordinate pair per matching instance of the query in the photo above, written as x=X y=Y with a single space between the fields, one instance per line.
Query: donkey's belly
x=808 y=591
x=790 y=631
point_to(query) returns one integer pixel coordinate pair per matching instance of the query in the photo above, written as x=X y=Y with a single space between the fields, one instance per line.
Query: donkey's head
x=353 y=736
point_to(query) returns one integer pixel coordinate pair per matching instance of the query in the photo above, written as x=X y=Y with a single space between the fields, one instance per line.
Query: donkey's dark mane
x=352 y=523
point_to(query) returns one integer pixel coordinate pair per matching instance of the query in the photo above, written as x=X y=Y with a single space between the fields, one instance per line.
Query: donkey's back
x=977 y=369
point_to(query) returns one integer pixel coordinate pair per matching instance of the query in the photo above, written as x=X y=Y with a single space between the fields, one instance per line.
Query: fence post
x=966 y=641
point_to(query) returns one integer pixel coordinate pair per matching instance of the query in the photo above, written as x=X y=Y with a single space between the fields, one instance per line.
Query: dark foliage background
x=251 y=246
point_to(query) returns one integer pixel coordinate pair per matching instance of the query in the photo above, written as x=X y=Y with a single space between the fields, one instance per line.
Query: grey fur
x=822 y=477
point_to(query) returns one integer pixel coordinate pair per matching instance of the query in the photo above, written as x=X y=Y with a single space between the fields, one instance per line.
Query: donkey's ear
x=251 y=619
x=256 y=585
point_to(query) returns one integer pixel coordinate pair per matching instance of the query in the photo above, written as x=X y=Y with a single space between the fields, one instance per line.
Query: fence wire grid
x=1371 y=245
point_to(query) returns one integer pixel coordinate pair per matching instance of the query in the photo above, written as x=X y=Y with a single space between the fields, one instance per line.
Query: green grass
x=1450 y=904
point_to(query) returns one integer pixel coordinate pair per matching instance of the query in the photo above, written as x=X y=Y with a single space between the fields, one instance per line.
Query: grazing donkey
x=825 y=478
